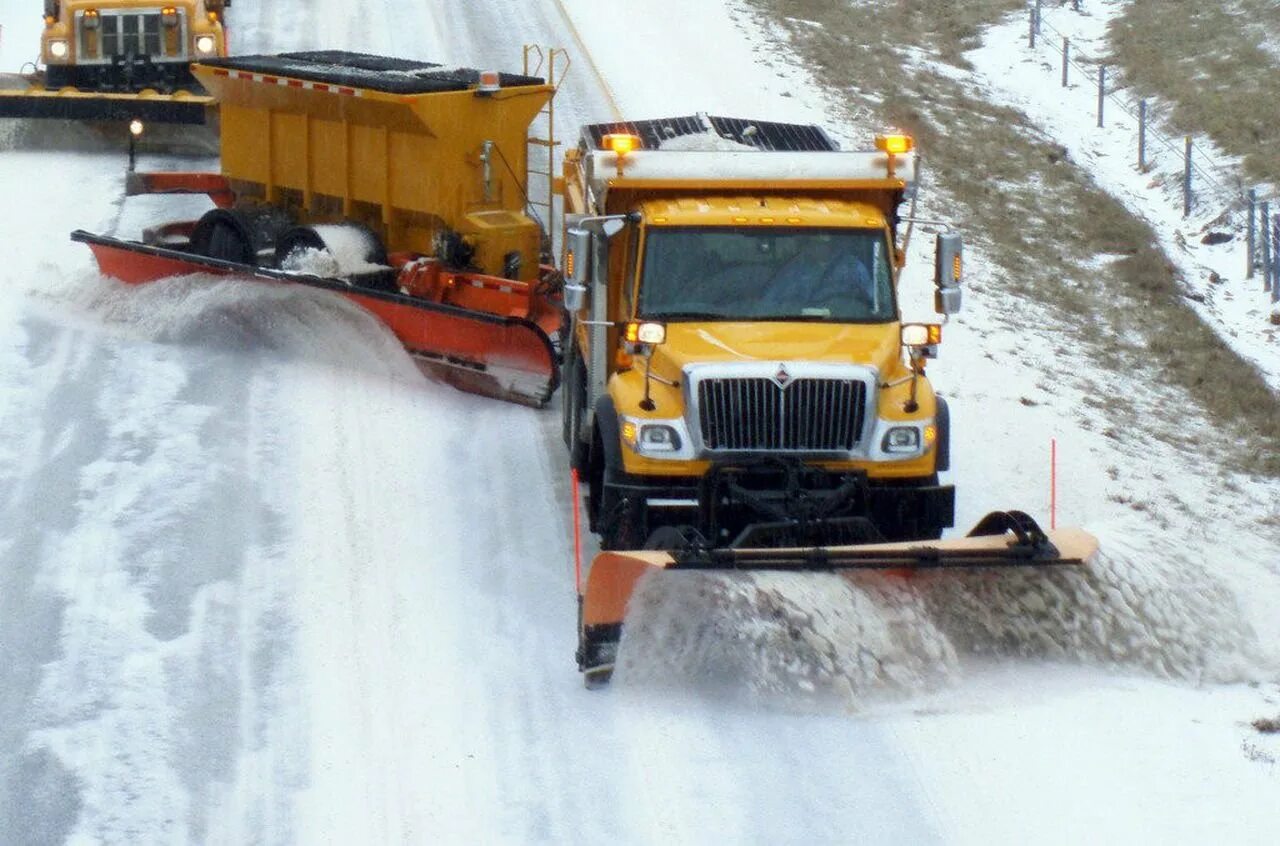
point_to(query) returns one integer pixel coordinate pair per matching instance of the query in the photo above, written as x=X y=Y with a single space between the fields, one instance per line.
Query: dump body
x=770 y=259
x=409 y=149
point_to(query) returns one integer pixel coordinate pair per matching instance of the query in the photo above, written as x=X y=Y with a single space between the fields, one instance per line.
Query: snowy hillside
x=260 y=582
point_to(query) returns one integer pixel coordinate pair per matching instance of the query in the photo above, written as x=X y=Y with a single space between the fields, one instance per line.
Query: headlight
x=901 y=439
x=657 y=439
x=206 y=44
x=58 y=49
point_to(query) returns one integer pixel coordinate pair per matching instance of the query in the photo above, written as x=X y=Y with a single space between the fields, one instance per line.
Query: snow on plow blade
x=1000 y=540
x=21 y=100
x=507 y=358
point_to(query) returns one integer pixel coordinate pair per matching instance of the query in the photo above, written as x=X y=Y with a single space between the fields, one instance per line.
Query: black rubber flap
x=362 y=70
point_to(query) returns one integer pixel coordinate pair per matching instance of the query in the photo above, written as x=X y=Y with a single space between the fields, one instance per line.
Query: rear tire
x=238 y=235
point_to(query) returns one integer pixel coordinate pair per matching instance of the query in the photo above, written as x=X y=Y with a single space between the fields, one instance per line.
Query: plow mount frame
x=1000 y=540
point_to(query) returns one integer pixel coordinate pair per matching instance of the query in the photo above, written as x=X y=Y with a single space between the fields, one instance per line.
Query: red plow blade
x=508 y=358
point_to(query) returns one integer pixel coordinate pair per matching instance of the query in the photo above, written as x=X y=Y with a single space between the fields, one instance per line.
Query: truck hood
x=876 y=345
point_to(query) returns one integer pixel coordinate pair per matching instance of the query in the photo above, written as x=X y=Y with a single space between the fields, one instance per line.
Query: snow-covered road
x=261 y=583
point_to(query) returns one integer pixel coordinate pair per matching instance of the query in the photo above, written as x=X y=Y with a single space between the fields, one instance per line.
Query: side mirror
x=948 y=273
x=577 y=267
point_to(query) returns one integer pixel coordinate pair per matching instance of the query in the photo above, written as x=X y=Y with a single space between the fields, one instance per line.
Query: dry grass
x=1210 y=61
x=1042 y=216
x=1267 y=725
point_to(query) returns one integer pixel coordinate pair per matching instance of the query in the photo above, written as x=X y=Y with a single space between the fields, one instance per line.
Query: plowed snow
x=823 y=640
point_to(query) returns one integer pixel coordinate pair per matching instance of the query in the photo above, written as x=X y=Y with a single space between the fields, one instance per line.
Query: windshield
x=766 y=273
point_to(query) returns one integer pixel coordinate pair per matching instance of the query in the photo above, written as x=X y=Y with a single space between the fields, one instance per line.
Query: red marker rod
x=577 y=531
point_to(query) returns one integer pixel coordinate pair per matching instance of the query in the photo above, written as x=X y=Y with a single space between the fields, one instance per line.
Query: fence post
x=1186 y=181
x=1252 y=236
x=1275 y=273
x=1032 y=28
x=1142 y=136
x=1066 y=52
x=1266 y=238
x=1275 y=260
x=1102 y=91
x=1039 y=13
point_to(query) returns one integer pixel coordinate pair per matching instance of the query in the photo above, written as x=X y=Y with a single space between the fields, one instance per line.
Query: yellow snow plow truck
x=120 y=60
x=740 y=391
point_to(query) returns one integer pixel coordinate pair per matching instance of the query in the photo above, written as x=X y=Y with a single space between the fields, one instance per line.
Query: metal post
x=1142 y=136
x=1186 y=181
x=1102 y=91
x=1032 y=28
x=1066 y=52
x=1252 y=236
x=1039 y=15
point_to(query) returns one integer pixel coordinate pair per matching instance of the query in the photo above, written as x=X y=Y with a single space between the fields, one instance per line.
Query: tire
x=238 y=235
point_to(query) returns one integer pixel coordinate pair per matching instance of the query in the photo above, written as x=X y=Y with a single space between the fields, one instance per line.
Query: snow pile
x=238 y=316
x=799 y=638
x=347 y=252
x=1142 y=608
x=704 y=142
x=815 y=639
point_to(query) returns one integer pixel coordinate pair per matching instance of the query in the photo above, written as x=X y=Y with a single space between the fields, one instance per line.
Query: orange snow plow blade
x=1000 y=540
x=507 y=357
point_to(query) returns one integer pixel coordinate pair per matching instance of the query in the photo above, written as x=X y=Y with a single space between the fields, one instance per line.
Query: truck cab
x=129 y=45
x=737 y=364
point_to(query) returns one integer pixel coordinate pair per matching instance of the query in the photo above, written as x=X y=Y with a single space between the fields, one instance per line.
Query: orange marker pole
x=577 y=531
x=1053 y=483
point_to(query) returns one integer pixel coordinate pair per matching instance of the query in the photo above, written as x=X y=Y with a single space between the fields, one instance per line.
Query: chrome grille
x=129 y=34
x=809 y=415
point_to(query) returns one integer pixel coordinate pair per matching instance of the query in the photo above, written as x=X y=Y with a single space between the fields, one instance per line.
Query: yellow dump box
x=419 y=154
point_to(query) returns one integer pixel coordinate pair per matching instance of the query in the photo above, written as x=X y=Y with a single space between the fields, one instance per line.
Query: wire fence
x=1199 y=168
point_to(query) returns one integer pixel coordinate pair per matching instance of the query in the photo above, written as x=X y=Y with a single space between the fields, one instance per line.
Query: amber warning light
x=895 y=145
x=621 y=142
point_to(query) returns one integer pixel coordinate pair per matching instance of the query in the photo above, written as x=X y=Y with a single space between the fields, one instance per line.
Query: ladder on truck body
x=554 y=62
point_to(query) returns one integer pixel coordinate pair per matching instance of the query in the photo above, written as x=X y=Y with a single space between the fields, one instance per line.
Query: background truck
x=398 y=184
x=737 y=354
x=120 y=60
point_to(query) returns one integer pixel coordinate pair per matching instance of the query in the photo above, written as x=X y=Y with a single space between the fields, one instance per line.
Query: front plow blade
x=1000 y=540
x=20 y=99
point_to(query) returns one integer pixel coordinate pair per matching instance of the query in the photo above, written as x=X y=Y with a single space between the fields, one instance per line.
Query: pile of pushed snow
x=228 y=315
x=704 y=142
x=783 y=636
x=806 y=639
x=346 y=252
